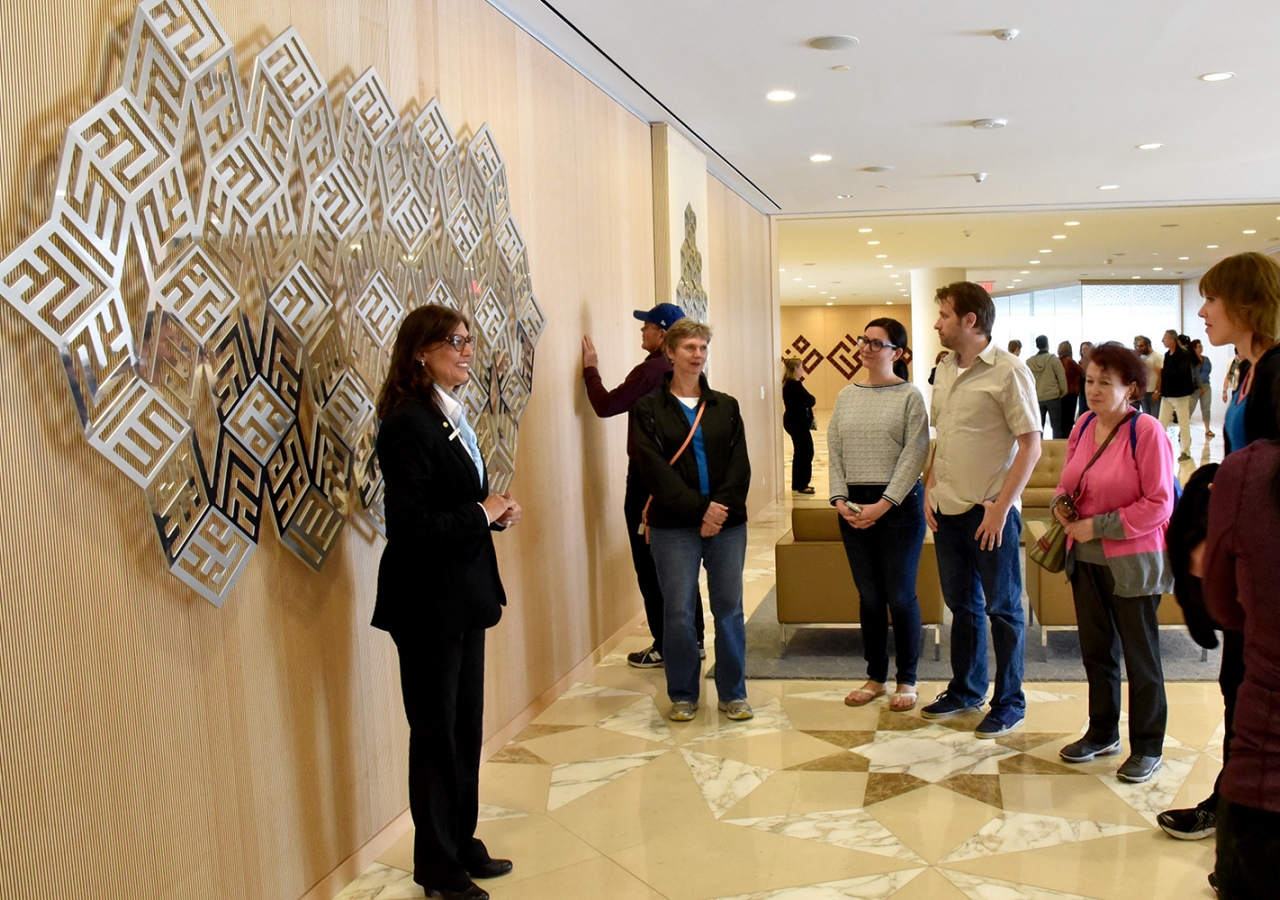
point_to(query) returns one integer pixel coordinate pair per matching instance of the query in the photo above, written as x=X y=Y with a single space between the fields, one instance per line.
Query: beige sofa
x=1040 y=489
x=815 y=586
x=1050 y=597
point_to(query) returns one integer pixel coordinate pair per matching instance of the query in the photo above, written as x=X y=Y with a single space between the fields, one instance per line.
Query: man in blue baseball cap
x=643 y=379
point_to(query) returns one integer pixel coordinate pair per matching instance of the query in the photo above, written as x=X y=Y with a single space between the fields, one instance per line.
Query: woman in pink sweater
x=1120 y=472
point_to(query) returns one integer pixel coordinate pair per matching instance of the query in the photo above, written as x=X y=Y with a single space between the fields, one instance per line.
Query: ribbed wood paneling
x=154 y=746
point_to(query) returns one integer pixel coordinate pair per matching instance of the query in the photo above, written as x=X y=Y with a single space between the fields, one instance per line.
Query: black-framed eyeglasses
x=456 y=341
x=867 y=343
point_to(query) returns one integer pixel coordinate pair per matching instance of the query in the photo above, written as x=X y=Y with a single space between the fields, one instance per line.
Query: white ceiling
x=1081 y=86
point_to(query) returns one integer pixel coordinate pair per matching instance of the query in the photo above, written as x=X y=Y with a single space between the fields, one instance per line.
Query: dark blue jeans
x=979 y=584
x=677 y=553
x=884 y=559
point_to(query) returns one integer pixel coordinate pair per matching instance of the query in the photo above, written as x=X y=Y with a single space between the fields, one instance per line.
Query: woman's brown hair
x=1122 y=362
x=406 y=377
x=1248 y=284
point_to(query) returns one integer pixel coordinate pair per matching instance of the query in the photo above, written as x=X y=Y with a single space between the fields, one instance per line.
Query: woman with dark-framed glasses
x=439 y=589
x=878 y=442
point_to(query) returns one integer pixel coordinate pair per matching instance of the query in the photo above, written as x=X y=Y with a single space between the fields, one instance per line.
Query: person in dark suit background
x=438 y=590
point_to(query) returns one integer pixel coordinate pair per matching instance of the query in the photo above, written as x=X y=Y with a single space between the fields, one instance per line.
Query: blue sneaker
x=998 y=723
x=945 y=706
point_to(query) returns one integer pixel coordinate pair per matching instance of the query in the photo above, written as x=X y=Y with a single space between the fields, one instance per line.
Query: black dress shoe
x=462 y=888
x=492 y=869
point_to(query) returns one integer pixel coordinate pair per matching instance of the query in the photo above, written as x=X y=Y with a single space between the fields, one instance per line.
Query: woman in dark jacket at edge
x=797 y=418
x=692 y=452
x=1241 y=307
x=438 y=590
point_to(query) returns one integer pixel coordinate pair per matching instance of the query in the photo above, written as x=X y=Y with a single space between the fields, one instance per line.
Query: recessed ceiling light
x=1025 y=272
x=1137 y=277
x=888 y=303
x=1108 y=187
x=1211 y=246
x=1059 y=237
x=813 y=285
x=1069 y=224
x=1217 y=76
x=882 y=185
x=781 y=96
x=1151 y=146
x=829 y=303
x=1046 y=251
x=1007 y=286
x=782 y=270
x=1157 y=268
x=833 y=42
x=798 y=279
x=820 y=157
x=868 y=230
x=888 y=265
x=877 y=168
x=882 y=256
x=1251 y=231
x=873 y=243
x=1016 y=280
x=1184 y=257
x=1033 y=262
x=839 y=68
x=989 y=124
x=844 y=196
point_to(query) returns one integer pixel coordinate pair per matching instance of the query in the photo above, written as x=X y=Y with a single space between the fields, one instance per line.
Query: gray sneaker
x=683 y=711
x=1137 y=769
x=1084 y=750
x=738 y=710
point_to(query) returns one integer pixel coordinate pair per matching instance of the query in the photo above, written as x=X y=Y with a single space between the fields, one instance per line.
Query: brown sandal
x=866 y=696
x=900 y=694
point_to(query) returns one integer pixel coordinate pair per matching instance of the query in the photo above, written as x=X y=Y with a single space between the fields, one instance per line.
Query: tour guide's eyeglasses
x=867 y=343
x=456 y=341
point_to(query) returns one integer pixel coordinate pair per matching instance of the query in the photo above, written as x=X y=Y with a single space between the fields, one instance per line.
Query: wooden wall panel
x=152 y=745
x=824 y=327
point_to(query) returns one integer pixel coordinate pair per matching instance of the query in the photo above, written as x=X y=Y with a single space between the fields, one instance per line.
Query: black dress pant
x=646 y=574
x=1230 y=677
x=1248 y=846
x=1109 y=624
x=1068 y=415
x=802 y=454
x=442 y=678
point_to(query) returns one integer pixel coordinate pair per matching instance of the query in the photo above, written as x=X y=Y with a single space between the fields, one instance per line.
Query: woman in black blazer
x=438 y=590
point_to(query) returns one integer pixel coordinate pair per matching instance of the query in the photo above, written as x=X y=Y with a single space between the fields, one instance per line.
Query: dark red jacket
x=642 y=380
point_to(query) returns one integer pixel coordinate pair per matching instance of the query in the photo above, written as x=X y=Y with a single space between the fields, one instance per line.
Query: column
x=924 y=312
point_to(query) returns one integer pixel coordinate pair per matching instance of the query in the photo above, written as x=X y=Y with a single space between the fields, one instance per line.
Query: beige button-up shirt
x=979 y=413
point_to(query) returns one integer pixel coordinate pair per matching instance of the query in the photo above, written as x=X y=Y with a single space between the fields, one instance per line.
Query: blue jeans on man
x=678 y=554
x=978 y=585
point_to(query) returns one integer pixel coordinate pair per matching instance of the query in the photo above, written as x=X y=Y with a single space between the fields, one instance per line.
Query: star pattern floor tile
x=852 y=829
x=1014 y=832
x=573 y=780
x=870 y=887
x=724 y=782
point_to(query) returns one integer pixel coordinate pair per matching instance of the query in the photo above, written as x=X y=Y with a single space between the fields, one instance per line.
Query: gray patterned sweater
x=878 y=435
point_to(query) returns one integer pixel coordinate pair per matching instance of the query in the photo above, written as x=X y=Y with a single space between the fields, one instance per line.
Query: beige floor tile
x=1199 y=783
x=792 y=793
x=588 y=743
x=520 y=787
x=930 y=885
x=1145 y=865
x=1068 y=797
x=732 y=860
x=1195 y=711
x=597 y=878
x=634 y=809
x=400 y=854
x=779 y=750
x=584 y=710
x=833 y=715
x=535 y=844
x=932 y=820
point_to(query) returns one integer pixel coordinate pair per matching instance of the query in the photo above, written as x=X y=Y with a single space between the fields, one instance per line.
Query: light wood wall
x=826 y=326
x=152 y=745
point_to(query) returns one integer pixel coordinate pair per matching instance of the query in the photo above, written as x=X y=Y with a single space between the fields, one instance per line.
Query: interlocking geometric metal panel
x=245 y=241
x=690 y=295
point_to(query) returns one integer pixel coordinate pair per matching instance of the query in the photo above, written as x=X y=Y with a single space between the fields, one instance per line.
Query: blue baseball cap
x=664 y=315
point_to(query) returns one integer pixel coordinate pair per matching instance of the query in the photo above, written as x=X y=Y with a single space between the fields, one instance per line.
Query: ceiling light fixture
x=1137 y=277
x=1005 y=34
x=1218 y=76
x=1211 y=246
x=1157 y=268
x=1046 y=251
x=1033 y=262
x=888 y=303
x=989 y=124
x=877 y=168
x=844 y=196
x=781 y=96
x=1152 y=146
x=868 y=230
x=813 y=285
x=1059 y=237
x=1184 y=257
x=1069 y=224
x=829 y=303
x=1251 y=231
x=1025 y=272
x=798 y=278
x=820 y=157
x=833 y=42
x=882 y=256
x=873 y=243
x=888 y=265
x=839 y=68
x=1108 y=187
x=1016 y=280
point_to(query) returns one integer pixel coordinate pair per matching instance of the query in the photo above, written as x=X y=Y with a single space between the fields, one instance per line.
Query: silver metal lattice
x=273 y=266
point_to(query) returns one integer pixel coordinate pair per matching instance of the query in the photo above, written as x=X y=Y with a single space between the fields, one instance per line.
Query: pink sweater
x=1129 y=494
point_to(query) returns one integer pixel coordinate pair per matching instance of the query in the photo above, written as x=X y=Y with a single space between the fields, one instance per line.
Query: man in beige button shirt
x=986 y=413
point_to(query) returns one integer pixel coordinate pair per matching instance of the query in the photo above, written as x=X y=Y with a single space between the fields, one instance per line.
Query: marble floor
x=602 y=797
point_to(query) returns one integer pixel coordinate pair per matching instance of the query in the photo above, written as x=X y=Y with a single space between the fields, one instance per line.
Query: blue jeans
x=677 y=553
x=979 y=584
x=884 y=560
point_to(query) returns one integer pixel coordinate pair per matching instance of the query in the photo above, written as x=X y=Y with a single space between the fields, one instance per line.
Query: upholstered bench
x=815 y=586
x=1043 y=483
x=1050 y=597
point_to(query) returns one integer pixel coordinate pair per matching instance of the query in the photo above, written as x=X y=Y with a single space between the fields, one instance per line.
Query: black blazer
x=439 y=572
x=1262 y=408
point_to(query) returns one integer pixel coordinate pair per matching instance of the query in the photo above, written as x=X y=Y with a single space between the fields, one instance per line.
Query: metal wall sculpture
x=845 y=356
x=269 y=245
x=690 y=295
